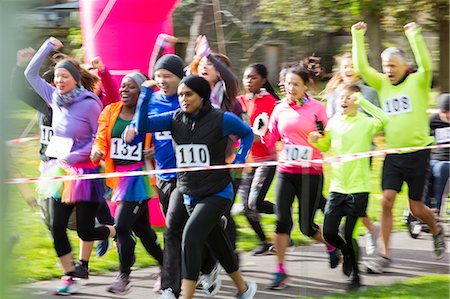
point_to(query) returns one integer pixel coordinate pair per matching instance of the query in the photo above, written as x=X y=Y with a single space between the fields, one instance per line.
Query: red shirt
x=252 y=107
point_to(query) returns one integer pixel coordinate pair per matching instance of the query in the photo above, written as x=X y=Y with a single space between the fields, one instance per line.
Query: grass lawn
x=33 y=257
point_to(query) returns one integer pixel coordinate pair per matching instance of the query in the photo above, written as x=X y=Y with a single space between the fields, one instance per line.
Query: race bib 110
x=397 y=106
x=122 y=151
x=46 y=134
x=192 y=155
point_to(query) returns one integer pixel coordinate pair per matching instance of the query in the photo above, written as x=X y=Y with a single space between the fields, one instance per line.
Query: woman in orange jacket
x=131 y=193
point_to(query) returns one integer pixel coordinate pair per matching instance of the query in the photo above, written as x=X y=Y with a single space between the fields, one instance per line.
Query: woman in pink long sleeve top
x=291 y=122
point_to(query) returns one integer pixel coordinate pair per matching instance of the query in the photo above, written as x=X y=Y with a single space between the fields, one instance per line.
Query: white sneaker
x=372 y=240
x=378 y=265
x=167 y=294
x=251 y=291
x=212 y=282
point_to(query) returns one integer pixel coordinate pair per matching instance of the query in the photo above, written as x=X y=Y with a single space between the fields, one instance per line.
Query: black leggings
x=338 y=206
x=308 y=189
x=204 y=226
x=133 y=217
x=86 y=229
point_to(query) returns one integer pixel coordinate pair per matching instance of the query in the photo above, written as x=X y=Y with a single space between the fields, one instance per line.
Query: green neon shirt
x=405 y=103
x=349 y=135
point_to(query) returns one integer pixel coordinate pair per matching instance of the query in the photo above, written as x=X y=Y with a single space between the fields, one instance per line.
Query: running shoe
x=439 y=243
x=335 y=258
x=120 y=285
x=80 y=271
x=262 y=249
x=211 y=282
x=250 y=292
x=279 y=281
x=355 y=283
x=371 y=240
x=378 y=265
x=102 y=247
x=69 y=285
x=167 y=294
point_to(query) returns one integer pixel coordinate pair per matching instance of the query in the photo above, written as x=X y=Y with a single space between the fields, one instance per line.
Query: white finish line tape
x=335 y=159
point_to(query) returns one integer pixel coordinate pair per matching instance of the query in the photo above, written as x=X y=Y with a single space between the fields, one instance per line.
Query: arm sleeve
x=331 y=104
x=82 y=154
x=158 y=50
x=111 y=93
x=25 y=93
x=44 y=89
x=233 y=125
x=140 y=117
x=368 y=73
x=101 y=142
x=160 y=122
x=421 y=54
x=323 y=143
x=379 y=118
x=230 y=80
x=272 y=135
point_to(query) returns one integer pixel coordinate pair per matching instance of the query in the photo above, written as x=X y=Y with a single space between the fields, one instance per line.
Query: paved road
x=307 y=267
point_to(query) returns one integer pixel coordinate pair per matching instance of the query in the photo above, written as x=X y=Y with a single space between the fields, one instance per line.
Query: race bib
x=122 y=151
x=442 y=135
x=46 y=134
x=192 y=155
x=397 y=106
x=165 y=135
x=292 y=152
x=59 y=147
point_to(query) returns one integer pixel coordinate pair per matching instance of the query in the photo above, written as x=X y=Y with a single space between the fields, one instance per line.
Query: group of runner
x=194 y=116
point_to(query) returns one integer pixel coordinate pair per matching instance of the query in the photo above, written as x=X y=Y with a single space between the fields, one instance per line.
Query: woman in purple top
x=75 y=114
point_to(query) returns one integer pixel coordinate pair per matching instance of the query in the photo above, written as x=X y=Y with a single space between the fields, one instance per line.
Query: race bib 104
x=397 y=106
x=165 y=135
x=442 y=135
x=59 y=147
x=292 y=152
x=192 y=155
x=46 y=134
x=122 y=151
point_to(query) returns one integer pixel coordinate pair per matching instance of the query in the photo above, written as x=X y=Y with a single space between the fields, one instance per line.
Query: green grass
x=434 y=286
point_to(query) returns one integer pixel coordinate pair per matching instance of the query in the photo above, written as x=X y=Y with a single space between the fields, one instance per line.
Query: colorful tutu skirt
x=132 y=188
x=70 y=192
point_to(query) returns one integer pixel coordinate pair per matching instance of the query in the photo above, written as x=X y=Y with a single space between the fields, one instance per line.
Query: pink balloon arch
x=123 y=33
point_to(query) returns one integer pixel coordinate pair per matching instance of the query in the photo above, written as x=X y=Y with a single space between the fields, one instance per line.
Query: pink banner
x=123 y=32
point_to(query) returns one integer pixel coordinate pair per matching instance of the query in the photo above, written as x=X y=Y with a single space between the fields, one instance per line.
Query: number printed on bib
x=442 y=135
x=397 y=106
x=165 y=135
x=46 y=134
x=122 y=151
x=292 y=152
x=192 y=155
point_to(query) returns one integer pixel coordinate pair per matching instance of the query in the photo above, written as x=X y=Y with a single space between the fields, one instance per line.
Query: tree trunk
x=374 y=36
x=194 y=31
x=444 y=47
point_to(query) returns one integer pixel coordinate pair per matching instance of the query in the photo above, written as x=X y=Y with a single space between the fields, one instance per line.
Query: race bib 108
x=46 y=134
x=192 y=155
x=122 y=151
x=397 y=106
x=442 y=135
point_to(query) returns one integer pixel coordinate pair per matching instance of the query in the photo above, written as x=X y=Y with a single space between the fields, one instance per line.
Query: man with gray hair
x=404 y=97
